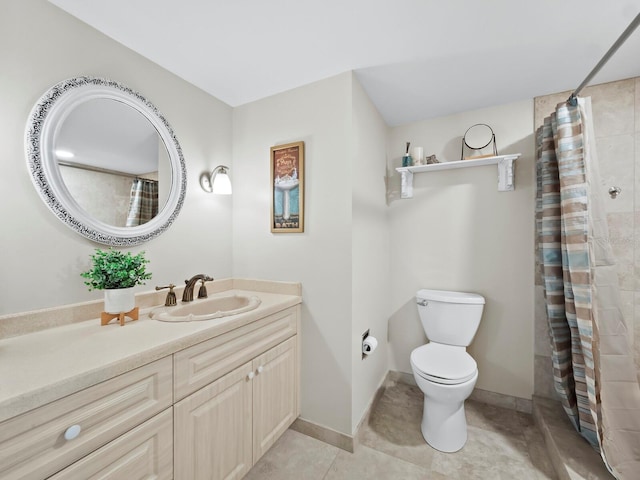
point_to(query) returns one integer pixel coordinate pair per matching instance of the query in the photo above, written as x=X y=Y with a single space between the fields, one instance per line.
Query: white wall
x=342 y=258
x=457 y=233
x=41 y=258
x=370 y=250
x=460 y=233
x=320 y=115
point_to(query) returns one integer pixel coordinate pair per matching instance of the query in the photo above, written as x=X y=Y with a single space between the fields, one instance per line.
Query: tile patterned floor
x=502 y=444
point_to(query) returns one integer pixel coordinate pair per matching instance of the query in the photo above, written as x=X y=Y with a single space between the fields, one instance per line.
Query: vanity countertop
x=40 y=367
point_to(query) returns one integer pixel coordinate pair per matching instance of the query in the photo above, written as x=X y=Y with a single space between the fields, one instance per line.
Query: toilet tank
x=451 y=318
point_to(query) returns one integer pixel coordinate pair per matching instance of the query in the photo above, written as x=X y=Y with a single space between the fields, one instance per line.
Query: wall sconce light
x=217 y=182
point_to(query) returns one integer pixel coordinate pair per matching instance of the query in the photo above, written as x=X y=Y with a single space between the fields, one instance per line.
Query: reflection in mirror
x=478 y=141
x=105 y=161
x=108 y=150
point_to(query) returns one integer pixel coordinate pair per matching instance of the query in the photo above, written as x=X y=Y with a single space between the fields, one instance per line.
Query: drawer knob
x=250 y=375
x=260 y=369
x=72 y=432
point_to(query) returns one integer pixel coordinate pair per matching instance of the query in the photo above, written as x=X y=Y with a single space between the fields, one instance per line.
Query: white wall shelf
x=506 y=174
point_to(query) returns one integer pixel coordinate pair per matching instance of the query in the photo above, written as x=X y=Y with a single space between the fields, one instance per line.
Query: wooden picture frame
x=287 y=188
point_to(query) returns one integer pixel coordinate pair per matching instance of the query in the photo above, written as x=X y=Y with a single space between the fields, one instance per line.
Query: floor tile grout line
x=395 y=458
x=422 y=467
x=331 y=465
x=372 y=447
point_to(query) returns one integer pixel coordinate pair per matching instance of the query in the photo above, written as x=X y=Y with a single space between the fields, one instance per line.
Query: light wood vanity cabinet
x=33 y=445
x=209 y=411
x=222 y=429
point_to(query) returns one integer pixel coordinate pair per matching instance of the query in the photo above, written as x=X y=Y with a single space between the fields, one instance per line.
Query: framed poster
x=287 y=183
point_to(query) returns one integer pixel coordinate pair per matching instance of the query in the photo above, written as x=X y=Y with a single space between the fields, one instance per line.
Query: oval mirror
x=105 y=161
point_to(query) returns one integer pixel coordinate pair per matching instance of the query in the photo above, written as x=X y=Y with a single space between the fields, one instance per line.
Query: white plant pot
x=119 y=300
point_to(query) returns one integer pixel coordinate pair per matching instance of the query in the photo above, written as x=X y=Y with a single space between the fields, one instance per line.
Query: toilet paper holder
x=369 y=344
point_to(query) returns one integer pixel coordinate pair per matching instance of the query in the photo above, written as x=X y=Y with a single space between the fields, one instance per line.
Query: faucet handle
x=171 y=296
x=202 y=292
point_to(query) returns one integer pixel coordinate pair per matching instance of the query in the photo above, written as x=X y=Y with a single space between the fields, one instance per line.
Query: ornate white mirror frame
x=44 y=124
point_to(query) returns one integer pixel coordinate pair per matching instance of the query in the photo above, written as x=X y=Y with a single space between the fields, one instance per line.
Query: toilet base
x=444 y=431
x=444 y=425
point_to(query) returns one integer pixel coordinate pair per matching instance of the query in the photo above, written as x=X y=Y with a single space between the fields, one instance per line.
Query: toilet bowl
x=443 y=370
x=444 y=425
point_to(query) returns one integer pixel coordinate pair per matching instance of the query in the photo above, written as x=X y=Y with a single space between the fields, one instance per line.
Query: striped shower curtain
x=593 y=369
x=143 y=205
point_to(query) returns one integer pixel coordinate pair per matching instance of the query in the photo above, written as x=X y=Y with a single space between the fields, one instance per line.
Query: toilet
x=442 y=368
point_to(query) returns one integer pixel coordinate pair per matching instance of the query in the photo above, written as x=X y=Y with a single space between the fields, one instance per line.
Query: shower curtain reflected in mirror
x=143 y=205
x=593 y=368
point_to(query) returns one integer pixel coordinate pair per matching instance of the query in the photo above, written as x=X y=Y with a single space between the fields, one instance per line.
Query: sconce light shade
x=221 y=182
x=217 y=182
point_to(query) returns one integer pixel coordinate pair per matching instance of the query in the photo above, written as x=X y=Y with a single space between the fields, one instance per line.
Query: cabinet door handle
x=260 y=369
x=250 y=375
x=72 y=432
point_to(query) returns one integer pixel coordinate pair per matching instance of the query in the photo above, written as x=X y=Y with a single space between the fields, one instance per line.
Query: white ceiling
x=417 y=59
x=109 y=135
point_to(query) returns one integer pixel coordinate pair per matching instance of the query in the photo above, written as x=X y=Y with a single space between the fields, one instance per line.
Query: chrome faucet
x=187 y=295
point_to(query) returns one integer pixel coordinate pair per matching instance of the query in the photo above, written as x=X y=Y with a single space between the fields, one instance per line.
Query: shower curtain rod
x=618 y=43
x=90 y=168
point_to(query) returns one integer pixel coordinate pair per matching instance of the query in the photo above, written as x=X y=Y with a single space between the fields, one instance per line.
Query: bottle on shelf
x=407 y=161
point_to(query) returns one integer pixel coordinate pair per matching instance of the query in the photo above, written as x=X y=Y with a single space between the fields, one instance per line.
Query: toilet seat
x=445 y=364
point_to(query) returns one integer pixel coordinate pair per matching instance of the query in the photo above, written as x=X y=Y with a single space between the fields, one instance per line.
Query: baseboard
x=400 y=377
x=324 y=434
x=501 y=400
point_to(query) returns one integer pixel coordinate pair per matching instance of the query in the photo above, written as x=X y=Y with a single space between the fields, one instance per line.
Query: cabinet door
x=212 y=438
x=146 y=452
x=275 y=393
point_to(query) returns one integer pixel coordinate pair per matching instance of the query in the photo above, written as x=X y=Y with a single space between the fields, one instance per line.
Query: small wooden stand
x=105 y=317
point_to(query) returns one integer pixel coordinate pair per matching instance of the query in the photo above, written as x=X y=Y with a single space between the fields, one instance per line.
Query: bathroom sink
x=207 y=309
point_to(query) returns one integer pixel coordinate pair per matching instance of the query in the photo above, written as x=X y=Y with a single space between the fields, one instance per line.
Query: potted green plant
x=116 y=273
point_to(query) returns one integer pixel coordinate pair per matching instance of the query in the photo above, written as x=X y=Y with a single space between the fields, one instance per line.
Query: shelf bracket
x=506 y=172
x=406 y=186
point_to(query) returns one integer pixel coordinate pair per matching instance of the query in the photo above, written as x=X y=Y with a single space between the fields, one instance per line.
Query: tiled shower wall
x=616 y=116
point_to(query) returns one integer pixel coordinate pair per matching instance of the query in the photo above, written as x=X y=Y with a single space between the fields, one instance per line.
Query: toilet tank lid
x=449 y=297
